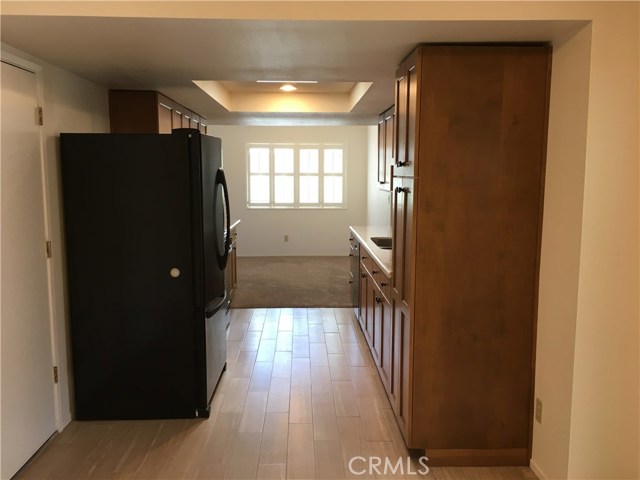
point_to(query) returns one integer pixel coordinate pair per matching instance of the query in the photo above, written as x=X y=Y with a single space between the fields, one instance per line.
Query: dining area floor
x=300 y=399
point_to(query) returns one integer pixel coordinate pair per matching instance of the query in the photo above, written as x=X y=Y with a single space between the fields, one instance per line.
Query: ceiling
x=168 y=54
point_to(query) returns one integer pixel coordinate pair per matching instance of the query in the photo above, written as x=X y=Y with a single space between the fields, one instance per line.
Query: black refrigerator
x=147 y=238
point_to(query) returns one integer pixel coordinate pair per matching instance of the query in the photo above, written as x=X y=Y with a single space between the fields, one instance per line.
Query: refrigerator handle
x=211 y=310
x=222 y=180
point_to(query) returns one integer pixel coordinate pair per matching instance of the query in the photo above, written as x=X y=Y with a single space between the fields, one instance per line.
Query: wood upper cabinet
x=406 y=114
x=471 y=126
x=386 y=147
x=146 y=111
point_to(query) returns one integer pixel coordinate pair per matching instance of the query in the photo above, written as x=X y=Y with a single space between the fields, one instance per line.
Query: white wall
x=606 y=399
x=71 y=104
x=378 y=201
x=560 y=255
x=311 y=231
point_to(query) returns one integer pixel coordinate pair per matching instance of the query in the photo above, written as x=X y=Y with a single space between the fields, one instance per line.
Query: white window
x=296 y=176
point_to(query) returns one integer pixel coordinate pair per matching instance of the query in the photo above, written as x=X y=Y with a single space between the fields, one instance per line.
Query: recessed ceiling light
x=286 y=81
x=287 y=87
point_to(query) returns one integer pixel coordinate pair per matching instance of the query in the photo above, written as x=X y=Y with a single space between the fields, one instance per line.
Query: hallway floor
x=300 y=399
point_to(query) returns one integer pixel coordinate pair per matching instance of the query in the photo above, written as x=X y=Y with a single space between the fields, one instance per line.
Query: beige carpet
x=292 y=282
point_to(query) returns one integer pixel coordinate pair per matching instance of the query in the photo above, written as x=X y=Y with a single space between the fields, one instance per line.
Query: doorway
x=27 y=400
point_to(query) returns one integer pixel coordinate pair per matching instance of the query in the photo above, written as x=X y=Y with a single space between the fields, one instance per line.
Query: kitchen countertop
x=382 y=257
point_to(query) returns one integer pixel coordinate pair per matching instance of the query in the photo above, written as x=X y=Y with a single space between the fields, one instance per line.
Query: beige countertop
x=382 y=257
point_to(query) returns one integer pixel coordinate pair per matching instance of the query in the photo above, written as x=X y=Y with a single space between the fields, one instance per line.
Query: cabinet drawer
x=384 y=283
x=380 y=279
x=366 y=260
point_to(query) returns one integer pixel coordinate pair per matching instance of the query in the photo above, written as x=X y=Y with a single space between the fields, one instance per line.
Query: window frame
x=296 y=204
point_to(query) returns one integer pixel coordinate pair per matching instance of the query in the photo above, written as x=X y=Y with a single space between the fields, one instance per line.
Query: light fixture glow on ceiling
x=287 y=87
x=287 y=81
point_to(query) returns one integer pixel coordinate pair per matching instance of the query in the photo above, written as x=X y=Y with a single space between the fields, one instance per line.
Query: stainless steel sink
x=384 y=243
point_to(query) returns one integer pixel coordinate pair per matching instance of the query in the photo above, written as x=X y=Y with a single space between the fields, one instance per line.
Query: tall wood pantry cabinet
x=471 y=123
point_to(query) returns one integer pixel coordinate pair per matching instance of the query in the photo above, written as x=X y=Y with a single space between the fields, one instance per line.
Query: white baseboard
x=537 y=470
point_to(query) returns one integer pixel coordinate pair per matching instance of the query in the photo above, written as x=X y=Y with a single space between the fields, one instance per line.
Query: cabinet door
x=176 y=119
x=376 y=328
x=164 y=118
x=362 y=302
x=231 y=272
x=382 y=148
x=385 y=148
x=234 y=260
x=401 y=117
x=389 y=152
x=401 y=376
x=386 y=346
x=403 y=245
x=371 y=315
x=407 y=97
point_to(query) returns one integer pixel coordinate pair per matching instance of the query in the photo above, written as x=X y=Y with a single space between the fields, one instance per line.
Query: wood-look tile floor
x=299 y=399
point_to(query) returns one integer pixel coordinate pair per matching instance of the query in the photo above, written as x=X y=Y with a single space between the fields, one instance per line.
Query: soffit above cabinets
x=353 y=61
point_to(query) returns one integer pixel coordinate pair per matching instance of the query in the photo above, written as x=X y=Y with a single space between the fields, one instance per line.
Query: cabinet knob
x=350 y=281
x=363 y=275
x=351 y=254
x=383 y=284
x=364 y=257
x=378 y=300
x=374 y=272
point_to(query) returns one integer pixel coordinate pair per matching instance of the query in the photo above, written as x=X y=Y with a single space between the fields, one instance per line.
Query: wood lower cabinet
x=468 y=184
x=376 y=318
x=231 y=271
x=147 y=111
x=354 y=271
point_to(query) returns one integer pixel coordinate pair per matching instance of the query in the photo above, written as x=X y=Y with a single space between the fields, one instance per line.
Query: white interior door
x=27 y=398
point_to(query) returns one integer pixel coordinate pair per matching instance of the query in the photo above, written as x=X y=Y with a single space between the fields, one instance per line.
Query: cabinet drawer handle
x=374 y=272
x=383 y=284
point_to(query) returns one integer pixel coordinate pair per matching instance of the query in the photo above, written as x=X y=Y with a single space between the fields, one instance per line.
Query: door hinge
x=48 y=248
x=55 y=374
x=39 y=116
